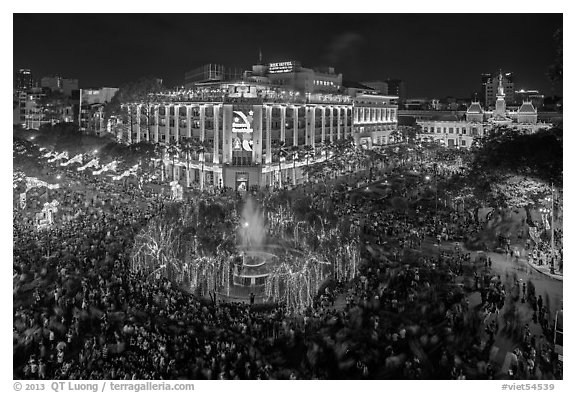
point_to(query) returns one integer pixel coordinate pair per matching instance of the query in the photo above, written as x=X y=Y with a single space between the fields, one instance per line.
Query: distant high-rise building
x=534 y=96
x=490 y=88
x=397 y=87
x=209 y=73
x=57 y=83
x=100 y=95
x=380 y=86
x=23 y=79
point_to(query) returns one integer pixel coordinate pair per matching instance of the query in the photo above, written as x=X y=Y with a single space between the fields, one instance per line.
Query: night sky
x=437 y=55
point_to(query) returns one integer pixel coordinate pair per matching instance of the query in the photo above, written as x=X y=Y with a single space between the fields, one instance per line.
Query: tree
x=282 y=152
x=173 y=149
x=537 y=155
x=187 y=146
x=308 y=152
x=142 y=90
x=200 y=147
x=294 y=152
x=159 y=152
x=555 y=70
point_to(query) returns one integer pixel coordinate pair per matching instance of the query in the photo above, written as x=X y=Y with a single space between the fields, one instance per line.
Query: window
x=463 y=130
x=450 y=130
x=463 y=142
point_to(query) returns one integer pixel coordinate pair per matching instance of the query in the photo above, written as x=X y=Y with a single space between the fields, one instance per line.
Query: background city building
x=23 y=80
x=490 y=88
x=59 y=84
x=397 y=87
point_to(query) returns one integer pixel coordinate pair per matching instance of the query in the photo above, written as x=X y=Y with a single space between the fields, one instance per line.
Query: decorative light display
x=310 y=255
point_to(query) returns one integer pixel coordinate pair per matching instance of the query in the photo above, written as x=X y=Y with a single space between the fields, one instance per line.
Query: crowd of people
x=80 y=312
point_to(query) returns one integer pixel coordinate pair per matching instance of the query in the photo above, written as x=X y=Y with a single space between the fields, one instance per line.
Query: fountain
x=282 y=268
x=253 y=264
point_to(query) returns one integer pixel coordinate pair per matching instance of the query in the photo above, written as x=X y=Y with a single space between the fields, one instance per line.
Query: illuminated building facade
x=243 y=121
x=375 y=117
x=242 y=126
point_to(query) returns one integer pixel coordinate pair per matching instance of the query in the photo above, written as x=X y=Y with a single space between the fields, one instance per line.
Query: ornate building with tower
x=461 y=133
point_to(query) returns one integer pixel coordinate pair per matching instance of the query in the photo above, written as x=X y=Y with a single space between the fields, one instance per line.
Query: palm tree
x=173 y=150
x=159 y=152
x=187 y=147
x=201 y=149
x=280 y=147
x=295 y=151
x=308 y=152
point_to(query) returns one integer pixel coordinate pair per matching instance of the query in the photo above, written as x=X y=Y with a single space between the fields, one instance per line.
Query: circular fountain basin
x=255 y=268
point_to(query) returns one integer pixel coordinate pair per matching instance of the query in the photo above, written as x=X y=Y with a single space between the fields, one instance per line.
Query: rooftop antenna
x=260 y=56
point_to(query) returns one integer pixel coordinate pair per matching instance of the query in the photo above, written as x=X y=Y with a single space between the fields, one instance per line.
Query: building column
x=138 y=119
x=130 y=126
x=216 y=153
x=257 y=134
x=202 y=121
x=311 y=137
x=338 y=122
x=268 y=135
x=295 y=131
x=323 y=124
x=177 y=124
x=283 y=123
x=188 y=121
x=202 y=157
x=346 y=128
x=227 y=134
x=167 y=123
x=156 y=123
x=331 y=124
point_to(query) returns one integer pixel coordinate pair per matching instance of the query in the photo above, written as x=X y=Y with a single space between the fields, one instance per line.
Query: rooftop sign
x=285 y=66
